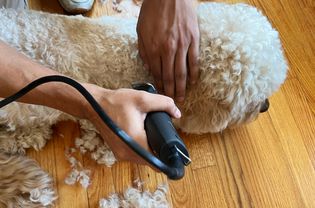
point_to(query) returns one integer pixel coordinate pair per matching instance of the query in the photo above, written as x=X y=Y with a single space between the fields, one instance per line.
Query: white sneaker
x=76 y=6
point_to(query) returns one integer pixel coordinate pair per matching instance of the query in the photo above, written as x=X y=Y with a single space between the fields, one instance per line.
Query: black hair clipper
x=163 y=139
x=171 y=154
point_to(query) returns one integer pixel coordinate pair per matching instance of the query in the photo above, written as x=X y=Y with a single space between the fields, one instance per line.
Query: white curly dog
x=241 y=65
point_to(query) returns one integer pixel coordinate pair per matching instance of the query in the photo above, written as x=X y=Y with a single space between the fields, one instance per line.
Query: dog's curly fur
x=241 y=64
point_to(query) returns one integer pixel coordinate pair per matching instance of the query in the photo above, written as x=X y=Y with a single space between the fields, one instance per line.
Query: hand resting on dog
x=168 y=42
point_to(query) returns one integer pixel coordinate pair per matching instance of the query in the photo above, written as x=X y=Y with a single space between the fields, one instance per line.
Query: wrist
x=100 y=95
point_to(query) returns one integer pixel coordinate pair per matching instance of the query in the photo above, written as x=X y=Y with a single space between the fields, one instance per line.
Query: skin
x=168 y=41
x=126 y=107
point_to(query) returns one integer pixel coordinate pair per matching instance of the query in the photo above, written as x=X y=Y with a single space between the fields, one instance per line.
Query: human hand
x=168 y=41
x=128 y=109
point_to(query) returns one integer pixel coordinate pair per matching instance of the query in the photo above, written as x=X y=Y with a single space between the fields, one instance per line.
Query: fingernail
x=178 y=114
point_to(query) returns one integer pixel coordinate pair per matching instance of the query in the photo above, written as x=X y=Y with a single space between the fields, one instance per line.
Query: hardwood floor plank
x=201 y=157
x=122 y=175
x=294 y=147
x=102 y=183
x=212 y=194
x=69 y=195
x=303 y=116
x=231 y=173
x=184 y=192
x=264 y=171
x=289 y=18
x=151 y=180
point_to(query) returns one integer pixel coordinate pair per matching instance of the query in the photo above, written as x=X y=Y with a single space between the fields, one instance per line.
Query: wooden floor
x=268 y=163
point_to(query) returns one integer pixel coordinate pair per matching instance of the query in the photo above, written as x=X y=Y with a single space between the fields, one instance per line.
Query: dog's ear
x=264 y=106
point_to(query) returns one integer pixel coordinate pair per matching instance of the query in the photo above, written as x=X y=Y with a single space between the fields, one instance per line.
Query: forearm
x=16 y=71
x=126 y=107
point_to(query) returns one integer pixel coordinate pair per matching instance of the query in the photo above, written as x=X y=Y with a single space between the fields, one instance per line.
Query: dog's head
x=241 y=65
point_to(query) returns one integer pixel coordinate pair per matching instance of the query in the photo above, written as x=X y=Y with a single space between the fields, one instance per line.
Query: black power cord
x=174 y=167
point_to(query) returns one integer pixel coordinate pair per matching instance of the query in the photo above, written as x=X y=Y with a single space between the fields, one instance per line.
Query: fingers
x=155 y=68
x=154 y=102
x=142 y=53
x=193 y=54
x=152 y=62
x=180 y=74
x=168 y=72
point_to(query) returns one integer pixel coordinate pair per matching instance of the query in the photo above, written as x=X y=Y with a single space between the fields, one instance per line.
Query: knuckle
x=180 y=95
x=154 y=47
x=182 y=74
x=169 y=101
x=142 y=97
x=141 y=101
x=180 y=91
x=170 y=45
x=183 y=42
x=194 y=61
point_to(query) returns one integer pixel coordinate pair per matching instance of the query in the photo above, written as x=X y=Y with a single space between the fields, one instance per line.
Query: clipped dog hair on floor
x=241 y=65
